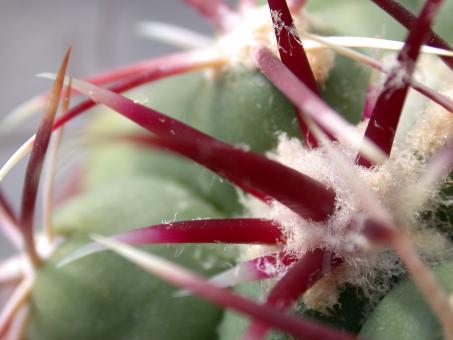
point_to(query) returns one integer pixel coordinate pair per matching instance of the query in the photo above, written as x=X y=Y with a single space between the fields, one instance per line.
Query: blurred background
x=34 y=35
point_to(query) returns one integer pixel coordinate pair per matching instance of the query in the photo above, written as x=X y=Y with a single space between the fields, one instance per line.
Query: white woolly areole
x=363 y=266
x=256 y=29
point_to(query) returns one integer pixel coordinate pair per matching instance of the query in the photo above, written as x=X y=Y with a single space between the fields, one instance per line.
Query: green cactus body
x=404 y=314
x=165 y=188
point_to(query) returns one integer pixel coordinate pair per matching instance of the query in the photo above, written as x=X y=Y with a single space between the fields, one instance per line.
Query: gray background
x=35 y=34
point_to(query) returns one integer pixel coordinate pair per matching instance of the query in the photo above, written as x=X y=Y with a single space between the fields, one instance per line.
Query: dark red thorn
x=282 y=258
x=293 y=55
x=160 y=124
x=382 y=126
x=218 y=12
x=407 y=19
x=260 y=268
x=6 y=206
x=228 y=231
x=253 y=172
x=370 y=101
x=128 y=84
x=313 y=106
x=289 y=44
x=300 y=277
x=170 y=66
x=36 y=161
x=231 y=230
x=300 y=193
x=191 y=282
x=148 y=141
x=152 y=69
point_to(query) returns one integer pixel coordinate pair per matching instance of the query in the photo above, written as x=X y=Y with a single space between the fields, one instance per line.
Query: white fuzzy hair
x=368 y=268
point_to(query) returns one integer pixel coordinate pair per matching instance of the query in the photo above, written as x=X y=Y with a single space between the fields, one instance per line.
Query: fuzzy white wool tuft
x=364 y=266
x=257 y=30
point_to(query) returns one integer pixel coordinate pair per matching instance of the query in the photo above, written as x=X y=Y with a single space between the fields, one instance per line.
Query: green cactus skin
x=90 y=300
x=403 y=314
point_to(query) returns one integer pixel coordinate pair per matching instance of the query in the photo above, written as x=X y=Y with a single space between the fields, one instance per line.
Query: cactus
x=272 y=182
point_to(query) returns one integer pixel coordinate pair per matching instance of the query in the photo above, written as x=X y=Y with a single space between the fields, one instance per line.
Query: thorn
x=426 y=282
x=186 y=279
x=299 y=278
x=313 y=106
x=11 y=270
x=218 y=12
x=18 y=327
x=231 y=230
x=50 y=172
x=148 y=71
x=375 y=43
x=436 y=97
x=35 y=164
x=407 y=19
x=383 y=123
x=15 y=302
x=293 y=56
x=260 y=268
x=142 y=71
x=314 y=202
x=173 y=35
